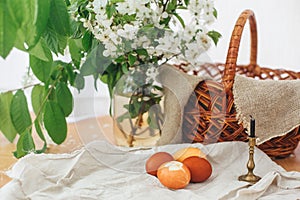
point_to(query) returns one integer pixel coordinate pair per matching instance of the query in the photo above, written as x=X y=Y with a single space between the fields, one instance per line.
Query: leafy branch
x=47 y=28
x=42 y=28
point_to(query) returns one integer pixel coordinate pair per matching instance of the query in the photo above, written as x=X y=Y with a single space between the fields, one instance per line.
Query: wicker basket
x=210 y=115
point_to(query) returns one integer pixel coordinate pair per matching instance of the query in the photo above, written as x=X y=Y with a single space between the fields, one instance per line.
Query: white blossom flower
x=151 y=74
x=115 y=38
x=110 y=49
x=193 y=52
x=141 y=42
x=189 y=33
x=162 y=40
x=143 y=13
x=124 y=8
x=164 y=15
x=203 y=40
x=208 y=17
x=87 y=24
x=195 y=6
x=98 y=4
x=154 y=51
x=129 y=32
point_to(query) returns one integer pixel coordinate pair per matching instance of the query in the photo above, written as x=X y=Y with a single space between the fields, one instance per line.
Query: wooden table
x=84 y=131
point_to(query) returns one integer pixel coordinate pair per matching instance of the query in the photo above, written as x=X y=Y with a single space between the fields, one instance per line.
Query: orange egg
x=174 y=175
x=200 y=168
x=156 y=160
x=184 y=153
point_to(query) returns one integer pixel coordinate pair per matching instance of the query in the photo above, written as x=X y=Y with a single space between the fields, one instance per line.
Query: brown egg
x=174 y=175
x=184 y=153
x=200 y=168
x=156 y=160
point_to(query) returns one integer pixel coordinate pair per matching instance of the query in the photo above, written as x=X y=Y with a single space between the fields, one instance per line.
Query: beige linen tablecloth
x=103 y=171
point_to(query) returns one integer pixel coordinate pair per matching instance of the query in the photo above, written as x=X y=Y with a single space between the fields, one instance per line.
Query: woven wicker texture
x=210 y=115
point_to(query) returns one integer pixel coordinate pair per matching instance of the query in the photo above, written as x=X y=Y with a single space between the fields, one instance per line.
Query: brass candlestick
x=250 y=177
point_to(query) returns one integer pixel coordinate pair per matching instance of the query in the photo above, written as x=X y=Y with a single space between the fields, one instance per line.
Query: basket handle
x=232 y=54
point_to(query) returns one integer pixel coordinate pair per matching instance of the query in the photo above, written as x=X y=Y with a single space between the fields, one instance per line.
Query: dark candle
x=252 y=127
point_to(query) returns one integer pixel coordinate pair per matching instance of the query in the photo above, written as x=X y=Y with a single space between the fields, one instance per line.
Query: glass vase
x=137 y=111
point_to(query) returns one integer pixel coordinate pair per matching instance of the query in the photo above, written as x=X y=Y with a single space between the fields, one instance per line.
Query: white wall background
x=278 y=47
x=278 y=24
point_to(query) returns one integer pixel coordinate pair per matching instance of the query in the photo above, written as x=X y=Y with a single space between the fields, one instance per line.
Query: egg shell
x=200 y=168
x=187 y=152
x=156 y=160
x=174 y=175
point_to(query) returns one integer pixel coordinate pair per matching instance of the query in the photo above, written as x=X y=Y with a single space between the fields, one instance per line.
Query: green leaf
x=68 y=3
x=31 y=17
x=41 y=135
x=153 y=116
x=181 y=7
x=114 y=73
x=89 y=67
x=215 y=36
x=19 y=42
x=41 y=69
x=122 y=117
x=76 y=32
x=41 y=51
x=20 y=151
x=55 y=122
x=55 y=41
x=17 y=10
x=179 y=19
x=117 y=1
x=110 y=9
x=8 y=30
x=120 y=59
x=71 y=73
x=22 y=13
x=75 y=50
x=104 y=78
x=129 y=18
x=39 y=130
x=41 y=17
x=171 y=6
x=125 y=68
x=215 y=13
x=37 y=98
x=79 y=82
x=131 y=59
x=186 y=2
x=95 y=81
x=142 y=52
x=95 y=62
x=62 y=71
x=19 y=112
x=28 y=143
x=64 y=98
x=6 y=125
x=87 y=41
x=25 y=144
x=59 y=17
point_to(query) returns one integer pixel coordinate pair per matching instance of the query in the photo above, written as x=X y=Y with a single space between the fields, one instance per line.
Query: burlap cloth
x=275 y=105
x=103 y=171
x=178 y=87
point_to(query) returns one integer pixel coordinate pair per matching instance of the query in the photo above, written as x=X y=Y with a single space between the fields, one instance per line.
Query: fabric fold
x=275 y=105
x=103 y=171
